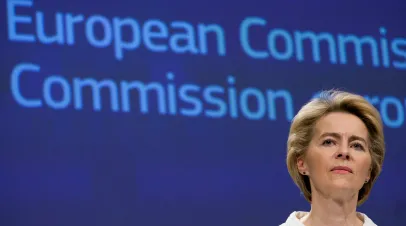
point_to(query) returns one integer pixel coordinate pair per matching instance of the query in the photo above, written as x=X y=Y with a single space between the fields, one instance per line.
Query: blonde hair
x=302 y=128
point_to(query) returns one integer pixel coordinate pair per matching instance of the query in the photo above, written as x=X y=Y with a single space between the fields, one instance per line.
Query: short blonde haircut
x=302 y=129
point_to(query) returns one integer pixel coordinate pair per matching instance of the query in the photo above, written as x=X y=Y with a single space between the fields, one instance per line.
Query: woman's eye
x=328 y=142
x=358 y=146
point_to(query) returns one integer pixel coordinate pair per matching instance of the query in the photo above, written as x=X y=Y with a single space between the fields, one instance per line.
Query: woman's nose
x=343 y=153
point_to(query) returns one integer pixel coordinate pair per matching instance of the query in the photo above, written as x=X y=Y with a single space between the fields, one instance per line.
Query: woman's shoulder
x=367 y=220
x=296 y=218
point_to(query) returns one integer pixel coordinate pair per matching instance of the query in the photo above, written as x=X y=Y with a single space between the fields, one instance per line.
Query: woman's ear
x=301 y=166
x=369 y=174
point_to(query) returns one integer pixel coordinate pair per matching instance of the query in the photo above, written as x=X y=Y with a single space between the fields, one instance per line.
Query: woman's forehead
x=341 y=124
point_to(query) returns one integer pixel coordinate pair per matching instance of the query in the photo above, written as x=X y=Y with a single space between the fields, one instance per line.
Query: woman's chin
x=345 y=186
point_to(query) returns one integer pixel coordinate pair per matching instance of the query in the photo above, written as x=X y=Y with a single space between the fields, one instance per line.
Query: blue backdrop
x=177 y=112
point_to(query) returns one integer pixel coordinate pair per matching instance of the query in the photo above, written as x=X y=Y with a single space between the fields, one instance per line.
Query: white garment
x=294 y=219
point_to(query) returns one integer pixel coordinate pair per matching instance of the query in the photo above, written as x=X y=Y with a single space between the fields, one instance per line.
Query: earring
x=366 y=181
x=304 y=173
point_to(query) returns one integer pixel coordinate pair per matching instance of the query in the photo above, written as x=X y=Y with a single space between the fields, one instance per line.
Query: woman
x=335 y=154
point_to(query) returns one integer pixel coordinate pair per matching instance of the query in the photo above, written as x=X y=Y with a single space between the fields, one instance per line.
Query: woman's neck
x=327 y=211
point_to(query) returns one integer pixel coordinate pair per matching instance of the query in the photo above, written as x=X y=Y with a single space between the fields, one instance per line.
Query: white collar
x=294 y=219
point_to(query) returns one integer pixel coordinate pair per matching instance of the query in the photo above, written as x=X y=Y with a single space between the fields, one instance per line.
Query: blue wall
x=177 y=112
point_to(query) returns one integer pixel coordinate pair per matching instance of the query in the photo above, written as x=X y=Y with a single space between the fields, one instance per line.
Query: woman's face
x=338 y=160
